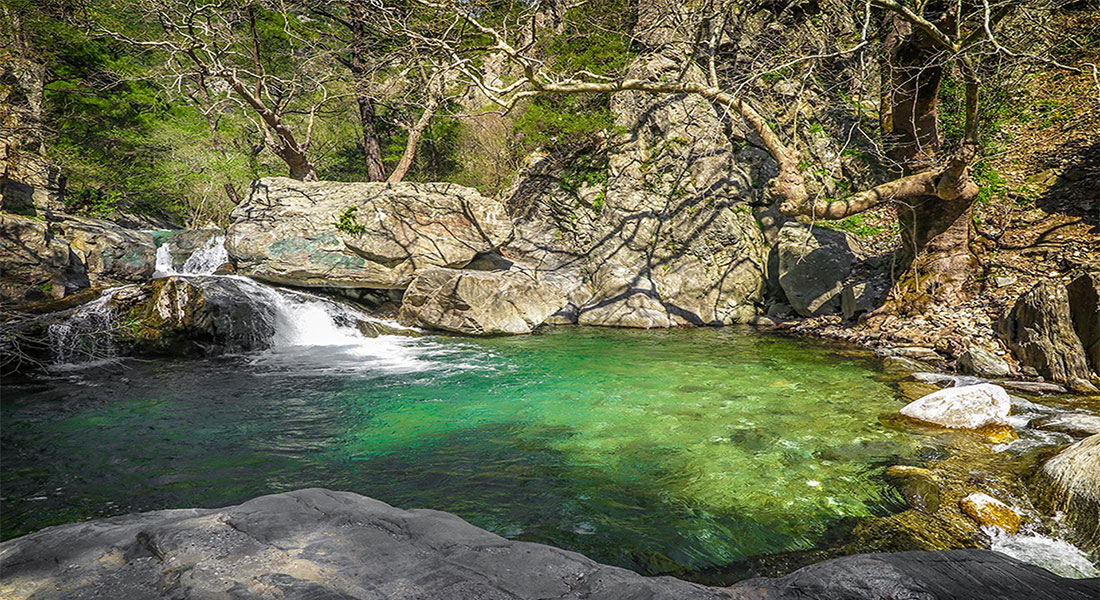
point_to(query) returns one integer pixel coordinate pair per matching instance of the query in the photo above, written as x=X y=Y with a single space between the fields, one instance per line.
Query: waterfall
x=204 y=260
x=86 y=335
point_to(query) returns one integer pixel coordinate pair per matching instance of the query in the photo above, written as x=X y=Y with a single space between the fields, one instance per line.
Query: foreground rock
x=813 y=265
x=50 y=259
x=317 y=543
x=940 y=575
x=966 y=407
x=310 y=543
x=1075 y=488
x=286 y=232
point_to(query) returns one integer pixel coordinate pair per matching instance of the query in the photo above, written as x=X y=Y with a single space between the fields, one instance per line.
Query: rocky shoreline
x=317 y=543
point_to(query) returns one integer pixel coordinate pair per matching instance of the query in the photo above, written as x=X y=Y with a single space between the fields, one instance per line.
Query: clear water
x=659 y=451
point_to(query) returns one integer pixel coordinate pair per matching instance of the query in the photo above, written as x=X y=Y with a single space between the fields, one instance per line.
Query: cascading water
x=204 y=260
x=87 y=334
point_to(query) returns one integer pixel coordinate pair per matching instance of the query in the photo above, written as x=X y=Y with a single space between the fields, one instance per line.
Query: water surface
x=657 y=451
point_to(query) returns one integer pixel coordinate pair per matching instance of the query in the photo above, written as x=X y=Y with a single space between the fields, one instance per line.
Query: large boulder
x=360 y=235
x=813 y=266
x=481 y=302
x=976 y=360
x=966 y=407
x=1040 y=331
x=310 y=543
x=1084 y=308
x=1074 y=488
x=940 y=575
x=50 y=258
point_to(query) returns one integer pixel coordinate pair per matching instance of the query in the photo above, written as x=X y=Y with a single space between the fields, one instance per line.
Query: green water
x=659 y=451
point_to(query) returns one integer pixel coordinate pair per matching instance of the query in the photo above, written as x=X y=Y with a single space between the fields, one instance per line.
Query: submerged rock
x=920 y=487
x=360 y=235
x=480 y=302
x=990 y=512
x=966 y=407
x=1074 y=478
x=310 y=543
x=940 y=575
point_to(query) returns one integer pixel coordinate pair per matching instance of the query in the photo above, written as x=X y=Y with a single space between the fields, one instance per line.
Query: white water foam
x=1056 y=556
x=204 y=260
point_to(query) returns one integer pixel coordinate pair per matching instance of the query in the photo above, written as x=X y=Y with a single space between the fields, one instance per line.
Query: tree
x=933 y=188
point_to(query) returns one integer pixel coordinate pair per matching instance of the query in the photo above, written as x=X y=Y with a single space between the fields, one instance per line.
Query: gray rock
x=110 y=255
x=1074 y=475
x=481 y=302
x=311 y=543
x=967 y=407
x=899 y=365
x=813 y=264
x=1084 y=307
x=1040 y=331
x=940 y=575
x=918 y=353
x=286 y=232
x=979 y=361
x=1072 y=423
x=1034 y=387
x=859 y=298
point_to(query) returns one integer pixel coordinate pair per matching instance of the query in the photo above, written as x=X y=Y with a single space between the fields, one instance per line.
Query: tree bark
x=372 y=147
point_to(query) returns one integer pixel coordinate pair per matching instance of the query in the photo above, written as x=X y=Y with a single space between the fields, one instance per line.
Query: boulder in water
x=360 y=235
x=966 y=407
x=1074 y=476
x=480 y=302
x=990 y=512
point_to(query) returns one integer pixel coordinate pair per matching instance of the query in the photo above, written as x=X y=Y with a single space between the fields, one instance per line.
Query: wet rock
x=1084 y=306
x=920 y=487
x=901 y=365
x=990 y=512
x=310 y=543
x=1034 y=387
x=1074 y=478
x=1071 y=423
x=286 y=231
x=967 y=407
x=1040 y=332
x=979 y=361
x=941 y=575
x=813 y=264
x=480 y=302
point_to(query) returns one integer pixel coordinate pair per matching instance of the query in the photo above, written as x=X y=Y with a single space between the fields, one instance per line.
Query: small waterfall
x=163 y=260
x=206 y=259
x=86 y=335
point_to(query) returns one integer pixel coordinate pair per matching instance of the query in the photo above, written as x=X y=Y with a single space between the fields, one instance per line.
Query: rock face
x=979 y=361
x=668 y=239
x=49 y=259
x=940 y=575
x=1040 y=331
x=813 y=264
x=1084 y=307
x=967 y=407
x=310 y=543
x=286 y=232
x=480 y=302
x=1075 y=488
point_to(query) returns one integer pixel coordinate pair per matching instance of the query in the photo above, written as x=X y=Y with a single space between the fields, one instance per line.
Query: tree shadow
x=1076 y=190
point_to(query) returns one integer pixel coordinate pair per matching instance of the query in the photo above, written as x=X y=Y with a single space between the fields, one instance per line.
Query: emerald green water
x=659 y=451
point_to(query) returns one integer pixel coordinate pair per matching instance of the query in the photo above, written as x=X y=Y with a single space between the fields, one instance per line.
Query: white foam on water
x=1056 y=556
x=163 y=266
x=207 y=258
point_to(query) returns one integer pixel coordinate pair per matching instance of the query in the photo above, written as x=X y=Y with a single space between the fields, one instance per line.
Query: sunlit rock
x=967 y=407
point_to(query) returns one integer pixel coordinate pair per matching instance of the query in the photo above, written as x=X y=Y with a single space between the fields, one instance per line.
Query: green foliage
x=855 y=224
x=990 y=183
x=348 y=223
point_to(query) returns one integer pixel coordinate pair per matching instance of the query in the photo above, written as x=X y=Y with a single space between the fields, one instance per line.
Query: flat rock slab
x=310 y=543
x=957 y=574
x=316 y=543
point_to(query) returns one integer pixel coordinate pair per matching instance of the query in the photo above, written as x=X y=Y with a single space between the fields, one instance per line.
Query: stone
x=37 y=265
x=111 y=255
x=480 y=302
x=859 y=298
x=310 y=543
x=939 y=575
x=899 y=365
x=990 y=512
x=1072 y=423
x=1040 y=332
x=1074 y=478
x=1003 y=282
x=918 y=353
x=286 y=231
x=966 y=407
x=1034 y=387
x=919 y=486
x=813 y=264
x=979 y=361
x=1084 y=307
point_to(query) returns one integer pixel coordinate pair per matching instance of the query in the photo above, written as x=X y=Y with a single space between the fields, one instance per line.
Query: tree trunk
x=935 y=229
x=372 y=148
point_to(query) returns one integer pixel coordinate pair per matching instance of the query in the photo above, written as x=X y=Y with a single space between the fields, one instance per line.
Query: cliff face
x=29 y=183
